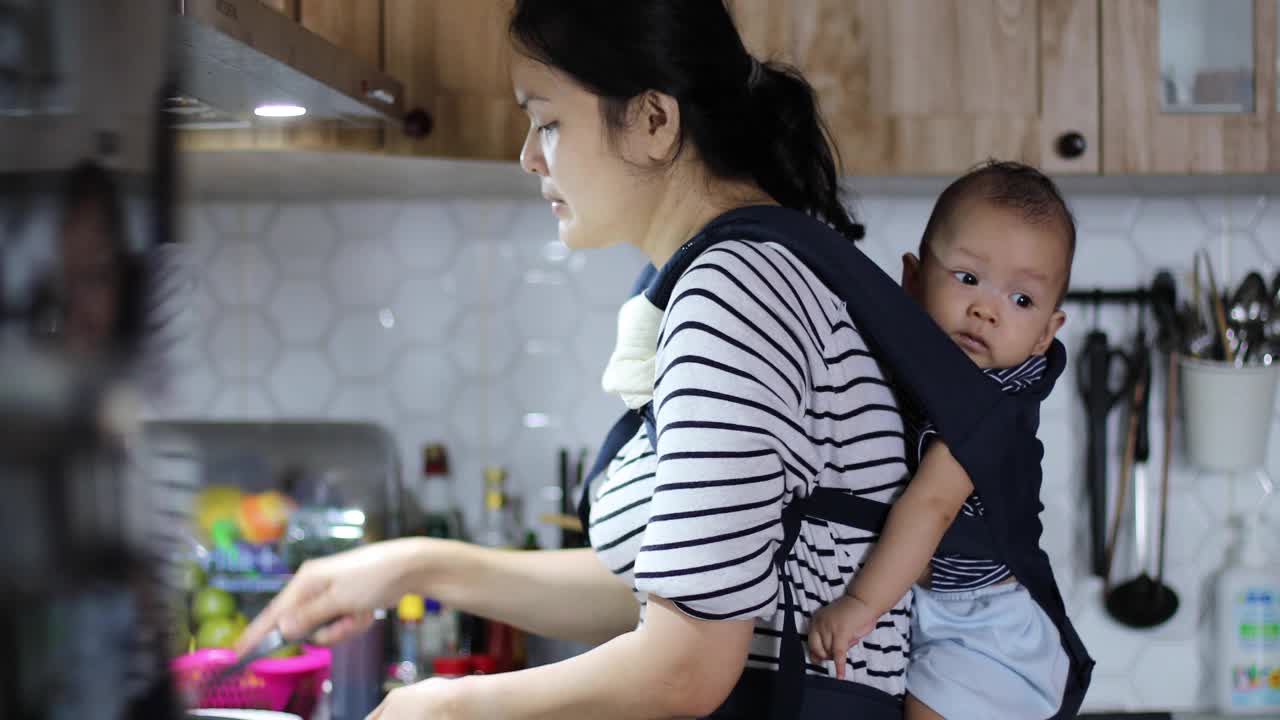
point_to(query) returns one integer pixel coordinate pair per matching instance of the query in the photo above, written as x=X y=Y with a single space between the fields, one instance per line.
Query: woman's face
x=90 y=278
x=596 y=192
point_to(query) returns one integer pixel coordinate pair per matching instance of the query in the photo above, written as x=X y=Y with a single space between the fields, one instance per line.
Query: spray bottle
x=1247 y=598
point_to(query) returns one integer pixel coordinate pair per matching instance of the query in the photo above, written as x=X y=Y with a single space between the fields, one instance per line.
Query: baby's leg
x=917 y=710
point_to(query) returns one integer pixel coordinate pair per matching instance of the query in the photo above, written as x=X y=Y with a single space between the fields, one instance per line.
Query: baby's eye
x=967 y=278
x=1022 y=300
x=548 y=128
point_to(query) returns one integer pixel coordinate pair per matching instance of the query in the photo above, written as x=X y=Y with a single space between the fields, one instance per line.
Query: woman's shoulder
x=751 y=275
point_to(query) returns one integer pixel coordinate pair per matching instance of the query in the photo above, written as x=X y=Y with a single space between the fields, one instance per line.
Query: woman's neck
x=685 y=207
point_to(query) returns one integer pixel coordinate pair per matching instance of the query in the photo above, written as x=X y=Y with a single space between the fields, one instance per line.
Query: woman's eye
x=967 y=278
x=548 y=128
x=1022 y=301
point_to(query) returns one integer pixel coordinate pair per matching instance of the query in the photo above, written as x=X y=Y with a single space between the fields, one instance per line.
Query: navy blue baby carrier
x=992 y=434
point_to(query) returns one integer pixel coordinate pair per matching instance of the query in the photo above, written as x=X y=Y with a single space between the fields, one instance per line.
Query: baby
x=992 y=270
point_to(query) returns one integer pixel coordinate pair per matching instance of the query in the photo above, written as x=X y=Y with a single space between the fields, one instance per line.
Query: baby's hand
x=836 y=627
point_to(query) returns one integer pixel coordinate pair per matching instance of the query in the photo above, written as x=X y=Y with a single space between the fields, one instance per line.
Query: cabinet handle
x=1071 y=145
x=418 y=123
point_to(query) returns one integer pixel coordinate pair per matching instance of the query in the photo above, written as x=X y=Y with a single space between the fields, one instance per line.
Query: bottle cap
x=410 y=608
x=433 y=606
x=452 y=666
x=495 y=475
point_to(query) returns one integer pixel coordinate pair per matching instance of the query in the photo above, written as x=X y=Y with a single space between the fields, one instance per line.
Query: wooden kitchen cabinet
x=934 y=86
x=288 y=7
x=452 y=58
x=908 y=87
x=454 y=61
x=1141 y=135
x=353 y=25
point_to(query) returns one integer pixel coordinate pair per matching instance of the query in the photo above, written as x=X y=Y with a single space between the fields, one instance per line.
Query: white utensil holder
x=1227 y=413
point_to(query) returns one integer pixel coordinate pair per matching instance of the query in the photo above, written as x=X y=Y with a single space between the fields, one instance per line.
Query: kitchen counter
x=1148 y=715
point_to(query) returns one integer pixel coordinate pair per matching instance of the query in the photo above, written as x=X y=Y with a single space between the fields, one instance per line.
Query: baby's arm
x=911 y=535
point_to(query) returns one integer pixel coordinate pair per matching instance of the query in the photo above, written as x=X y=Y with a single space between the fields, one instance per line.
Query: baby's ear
x=1051 y=328
x=911 y=274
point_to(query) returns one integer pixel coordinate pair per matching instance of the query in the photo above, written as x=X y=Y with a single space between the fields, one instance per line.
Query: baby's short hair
x=1011 y=185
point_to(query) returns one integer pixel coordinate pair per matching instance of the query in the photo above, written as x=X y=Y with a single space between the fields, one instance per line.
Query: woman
x=648 y=120
x=90 y=305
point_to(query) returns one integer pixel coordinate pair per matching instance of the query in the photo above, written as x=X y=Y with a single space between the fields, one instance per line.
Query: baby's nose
x=983 y=313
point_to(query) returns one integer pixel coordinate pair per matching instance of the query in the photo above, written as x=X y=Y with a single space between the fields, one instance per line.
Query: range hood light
x=279 y=111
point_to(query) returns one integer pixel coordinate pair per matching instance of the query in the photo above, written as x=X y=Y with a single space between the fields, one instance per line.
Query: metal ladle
x=1143 y=601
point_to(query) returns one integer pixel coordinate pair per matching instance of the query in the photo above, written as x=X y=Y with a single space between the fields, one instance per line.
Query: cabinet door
x=1188 y=86
x=453 y=58
x=288 y=7
x=353 y=25
x=935 y=86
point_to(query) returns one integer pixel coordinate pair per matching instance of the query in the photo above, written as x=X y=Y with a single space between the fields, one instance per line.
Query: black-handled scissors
x=1100 y=366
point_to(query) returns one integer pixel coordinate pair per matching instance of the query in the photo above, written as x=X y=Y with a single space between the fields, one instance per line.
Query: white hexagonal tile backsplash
x=241 y=273
x=464 y=322
x=303 y=311
x=302 y=238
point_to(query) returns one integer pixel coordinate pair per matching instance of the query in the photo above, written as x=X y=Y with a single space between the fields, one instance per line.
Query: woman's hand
x=436 y=698
x=334 y=597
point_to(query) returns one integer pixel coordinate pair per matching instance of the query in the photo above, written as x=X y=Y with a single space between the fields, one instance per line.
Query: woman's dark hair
x=747 y=120
x=88 y=185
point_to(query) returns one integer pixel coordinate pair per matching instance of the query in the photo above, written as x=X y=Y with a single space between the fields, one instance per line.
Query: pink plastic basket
x=269 y=684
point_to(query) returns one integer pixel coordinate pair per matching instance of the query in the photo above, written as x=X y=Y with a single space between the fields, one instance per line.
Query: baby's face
x=991 y=281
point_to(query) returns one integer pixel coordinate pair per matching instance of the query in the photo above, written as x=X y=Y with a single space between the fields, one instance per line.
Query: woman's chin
x=574 y=238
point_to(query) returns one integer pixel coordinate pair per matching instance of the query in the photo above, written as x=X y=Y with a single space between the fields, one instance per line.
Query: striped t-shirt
x=960 y=573
x=764 y=391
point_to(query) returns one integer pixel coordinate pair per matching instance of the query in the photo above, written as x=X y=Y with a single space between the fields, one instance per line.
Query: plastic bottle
x=434 y=638
x=498 y=529
x=441 y=515
x=408 y=668
x=1247 y=676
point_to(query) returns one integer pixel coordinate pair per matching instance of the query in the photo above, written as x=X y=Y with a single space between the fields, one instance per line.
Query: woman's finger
x=343 y=628
x=302 y=585
x=310 y=614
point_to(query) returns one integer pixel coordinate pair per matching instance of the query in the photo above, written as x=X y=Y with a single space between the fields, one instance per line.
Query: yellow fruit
x=263 y=517
x=193 y=577
x=212 y=604
x=217 y=633
x=214 y=503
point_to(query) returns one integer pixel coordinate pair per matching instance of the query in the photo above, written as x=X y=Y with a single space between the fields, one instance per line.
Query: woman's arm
x=674 y=666
x=564 y=594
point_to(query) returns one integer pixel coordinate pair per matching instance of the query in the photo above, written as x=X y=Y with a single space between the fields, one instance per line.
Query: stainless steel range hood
x=237 y=55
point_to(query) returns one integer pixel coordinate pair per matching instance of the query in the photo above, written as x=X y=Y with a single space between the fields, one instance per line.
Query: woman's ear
x=654 y=130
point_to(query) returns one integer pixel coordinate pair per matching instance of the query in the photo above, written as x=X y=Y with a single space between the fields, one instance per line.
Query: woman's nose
x=531 y=158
